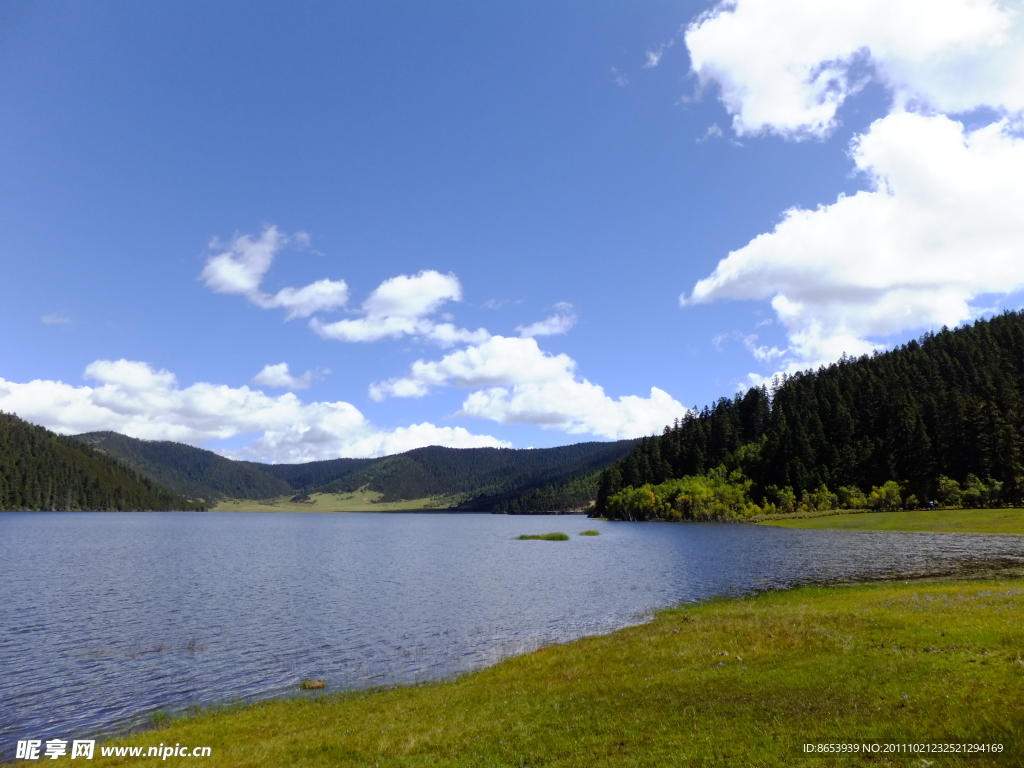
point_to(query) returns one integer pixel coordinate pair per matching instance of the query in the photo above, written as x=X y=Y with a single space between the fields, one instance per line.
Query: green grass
x=359 y=501
x=590 y=533
x=544 y=537
x=939 y=520
x=740 y=682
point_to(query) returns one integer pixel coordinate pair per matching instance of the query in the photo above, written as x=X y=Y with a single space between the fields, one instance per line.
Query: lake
x=106 y=618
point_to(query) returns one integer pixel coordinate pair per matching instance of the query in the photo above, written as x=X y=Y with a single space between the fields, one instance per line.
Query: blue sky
x=808 y=177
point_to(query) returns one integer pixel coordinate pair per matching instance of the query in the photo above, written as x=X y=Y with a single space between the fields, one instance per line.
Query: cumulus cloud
x=137 y=400
x=940 y=226
x=560 y=322
x=402 y=306
x=241 y=267
x=786 y=66
x=518 y=383
x=576 y=407
x=278 y=376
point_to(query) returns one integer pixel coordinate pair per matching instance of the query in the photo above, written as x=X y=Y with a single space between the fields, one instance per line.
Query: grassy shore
x=739 y=682
x=359 y=501
x=939 y=520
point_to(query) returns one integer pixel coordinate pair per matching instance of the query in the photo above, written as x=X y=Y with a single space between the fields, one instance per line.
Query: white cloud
x=500 y=360
x=940 y=226
x=134 y=399
x=518 y=383
x=575 y=407
x=619 y=78
x=787 y=65
x=500 y=303
x=320 y=296
x=57 y=318
x=655 y=55
x=278 y=376
x=713 y=132
x=401 y=306
x=560 y=322
x=301 y=442
x=241 y=268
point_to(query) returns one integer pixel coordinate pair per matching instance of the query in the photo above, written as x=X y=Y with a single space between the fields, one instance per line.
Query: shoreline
x=670 y=650
x=991 y=521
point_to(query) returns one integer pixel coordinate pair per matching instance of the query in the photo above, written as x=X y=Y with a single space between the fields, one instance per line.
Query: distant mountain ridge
x=191 y=472
x=41 y=470
x=484 y=479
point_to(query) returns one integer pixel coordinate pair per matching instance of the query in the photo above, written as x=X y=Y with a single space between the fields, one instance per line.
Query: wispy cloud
x=560 y=322
x=654 y=55
x=500 y=303
x=619 y=78
x=278 y=376
x=713 y=132
x=245 y=260
x=57 y=318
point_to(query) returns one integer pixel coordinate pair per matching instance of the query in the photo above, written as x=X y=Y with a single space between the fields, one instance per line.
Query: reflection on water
x=106 y=617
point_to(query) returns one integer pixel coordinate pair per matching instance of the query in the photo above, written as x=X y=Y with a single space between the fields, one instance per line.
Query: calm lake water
x=108 y=617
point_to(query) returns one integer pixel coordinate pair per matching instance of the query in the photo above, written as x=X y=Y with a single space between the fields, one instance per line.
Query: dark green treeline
x=938 y=417
x=40 y=470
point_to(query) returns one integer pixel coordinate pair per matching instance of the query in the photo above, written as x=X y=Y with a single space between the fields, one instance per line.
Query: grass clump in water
x=544 y=537
x=590 y=533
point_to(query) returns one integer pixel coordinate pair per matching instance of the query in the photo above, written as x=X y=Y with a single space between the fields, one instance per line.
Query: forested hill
x=40 y=470
x=492 y=479
x=192 y=472
x=487 y=479
x=939 y=418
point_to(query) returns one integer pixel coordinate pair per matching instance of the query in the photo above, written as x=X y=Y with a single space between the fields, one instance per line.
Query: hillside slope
x=489 y=477
x=192 y=472
x=484 y=479
x=940 y=418
x=40 y=470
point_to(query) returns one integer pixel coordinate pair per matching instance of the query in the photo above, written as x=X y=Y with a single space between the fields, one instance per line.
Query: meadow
x=744 y=681
x=939 y=520
x=358 y=501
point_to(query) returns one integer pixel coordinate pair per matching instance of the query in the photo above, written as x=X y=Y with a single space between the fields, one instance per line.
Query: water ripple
x=106 y=618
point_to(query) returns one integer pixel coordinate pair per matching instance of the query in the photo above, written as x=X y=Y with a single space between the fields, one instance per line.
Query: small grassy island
x=543 y=537
x=590 y=533
x=744 y=681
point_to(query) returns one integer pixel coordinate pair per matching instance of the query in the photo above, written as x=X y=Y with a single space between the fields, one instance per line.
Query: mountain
x=40 y=470
x=938 y=419
x=482 y=473
x=191 y=472
x=313 y=475
x=486 y=479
